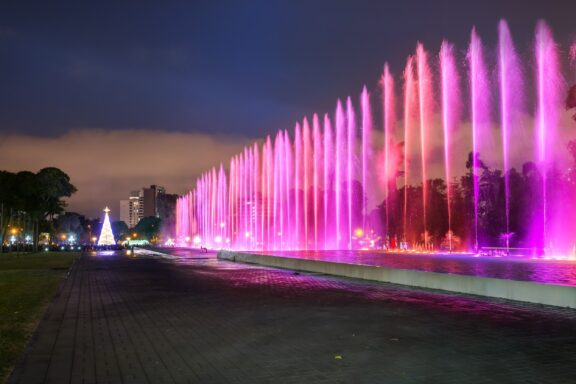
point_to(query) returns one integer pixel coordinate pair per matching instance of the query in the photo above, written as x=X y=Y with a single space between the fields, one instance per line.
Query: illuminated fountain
x=344 y=181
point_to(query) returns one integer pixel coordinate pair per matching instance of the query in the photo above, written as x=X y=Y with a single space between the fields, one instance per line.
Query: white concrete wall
x=557 y=295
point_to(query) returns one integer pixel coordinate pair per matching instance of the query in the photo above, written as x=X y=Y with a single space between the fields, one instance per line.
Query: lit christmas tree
x=106 y=235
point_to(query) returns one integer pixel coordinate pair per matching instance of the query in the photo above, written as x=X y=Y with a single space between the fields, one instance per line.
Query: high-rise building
x=134 y=209
x=142 y=203
x=147 y=201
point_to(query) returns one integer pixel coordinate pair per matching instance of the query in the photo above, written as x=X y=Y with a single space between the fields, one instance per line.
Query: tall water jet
x=425 y=113
x=366 y=149
x=328 y=175
x=252 y=196
x=510 y=101
x=222 y=214
x=257 y=198
x=288 y=186
x=297 y=184
x=269 y=194
x=277 y=211
x=351 y=125
x=450 y=107
x=549 y=85
x=389 y=122
x=340 y=151
x=306 y=173
x=317 y=165
x=409 y=106
x=479 y=111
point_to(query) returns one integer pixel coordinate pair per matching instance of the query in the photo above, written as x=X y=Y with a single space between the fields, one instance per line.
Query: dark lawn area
x=27 y=282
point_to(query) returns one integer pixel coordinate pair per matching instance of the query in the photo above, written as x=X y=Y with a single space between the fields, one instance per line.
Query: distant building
x=145 y=202
x=134 y=209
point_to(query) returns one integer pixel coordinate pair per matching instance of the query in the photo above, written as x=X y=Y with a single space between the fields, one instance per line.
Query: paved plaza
x=195 y=319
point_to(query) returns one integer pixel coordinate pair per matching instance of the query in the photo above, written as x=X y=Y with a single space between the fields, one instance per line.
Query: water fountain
x=332 y=182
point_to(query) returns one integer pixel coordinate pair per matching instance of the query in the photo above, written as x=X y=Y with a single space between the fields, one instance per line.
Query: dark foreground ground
x=199 y=320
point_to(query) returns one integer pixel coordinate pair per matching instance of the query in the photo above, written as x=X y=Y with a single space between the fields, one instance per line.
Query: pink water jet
x=450 y=110
x=410 y=92
x=479 y=94
x=340 y=161
x=549 y=89
x=511 y=88
x=425 y=103
x=367 y=158
x=350 y=147
x=317 y=157
x=389 y=125
x=329 y=209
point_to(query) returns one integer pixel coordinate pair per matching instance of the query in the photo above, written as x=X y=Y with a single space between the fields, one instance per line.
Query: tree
x=148 y=227
x=70 y=222
x=36 y=196
x=120 y=229
x=53 y=185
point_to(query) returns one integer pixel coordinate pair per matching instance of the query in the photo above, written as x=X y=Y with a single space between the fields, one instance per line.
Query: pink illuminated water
x=340 y=161
x=556 y=224
x=450 y=111
x=366 y=149
x=350 y=148
x=479 y=94
x=389 y=124
x=328 y=202
x=425 y=115
x=409 y=112
x=510 y=102
x=322 y=185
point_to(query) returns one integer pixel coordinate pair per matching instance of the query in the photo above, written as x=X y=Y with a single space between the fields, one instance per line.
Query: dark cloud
x=179 y=65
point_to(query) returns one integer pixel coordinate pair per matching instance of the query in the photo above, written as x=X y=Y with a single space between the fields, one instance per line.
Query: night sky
x=125 y=94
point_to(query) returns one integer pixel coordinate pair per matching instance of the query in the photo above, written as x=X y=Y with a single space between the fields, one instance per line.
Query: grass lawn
x=27 y=282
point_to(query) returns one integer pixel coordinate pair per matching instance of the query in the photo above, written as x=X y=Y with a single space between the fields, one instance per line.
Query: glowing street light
x=197 y=240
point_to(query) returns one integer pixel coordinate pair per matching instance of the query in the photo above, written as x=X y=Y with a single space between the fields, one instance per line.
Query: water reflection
x=541 y=271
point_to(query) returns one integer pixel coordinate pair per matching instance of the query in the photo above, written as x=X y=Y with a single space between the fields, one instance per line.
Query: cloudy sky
x=125 y=94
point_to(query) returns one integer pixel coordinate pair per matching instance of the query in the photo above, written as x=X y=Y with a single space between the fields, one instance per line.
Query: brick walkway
x=199 y=320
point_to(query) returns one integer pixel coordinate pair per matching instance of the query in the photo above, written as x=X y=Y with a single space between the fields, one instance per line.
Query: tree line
x=29 y=201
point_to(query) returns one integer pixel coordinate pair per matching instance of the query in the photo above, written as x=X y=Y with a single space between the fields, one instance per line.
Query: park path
x=195 y=319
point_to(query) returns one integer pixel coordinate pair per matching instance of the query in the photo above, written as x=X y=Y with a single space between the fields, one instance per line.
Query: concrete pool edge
x=547 y=294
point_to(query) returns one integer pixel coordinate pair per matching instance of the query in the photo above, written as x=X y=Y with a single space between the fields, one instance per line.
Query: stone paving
x=195 y=319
